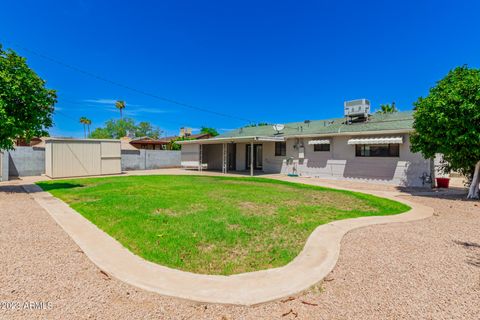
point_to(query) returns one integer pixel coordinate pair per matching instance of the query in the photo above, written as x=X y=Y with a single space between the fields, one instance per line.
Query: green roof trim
x=377 y=122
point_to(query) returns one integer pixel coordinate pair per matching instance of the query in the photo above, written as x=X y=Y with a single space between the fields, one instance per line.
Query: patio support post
x=251 y=159
x=224 y=158
x=200 y=158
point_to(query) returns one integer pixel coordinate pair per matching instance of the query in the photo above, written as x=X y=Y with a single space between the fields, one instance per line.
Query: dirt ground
x=428 y=269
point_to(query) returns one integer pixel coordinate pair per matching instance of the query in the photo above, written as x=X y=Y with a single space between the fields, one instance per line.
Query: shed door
x=111 y=157
x=75 y=158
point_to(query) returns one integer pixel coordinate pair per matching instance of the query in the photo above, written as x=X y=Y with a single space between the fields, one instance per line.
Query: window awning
x=324 y=141
x=382 y=140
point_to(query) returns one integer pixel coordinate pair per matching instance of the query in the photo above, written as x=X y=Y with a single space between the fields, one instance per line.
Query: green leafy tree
x=447 y=121
x=145 y=128
x=116 y=129
x=173 y=145
x=212 y=131
x=120 y=105
x=101 y=133
x=26 y=105
x=260 y=124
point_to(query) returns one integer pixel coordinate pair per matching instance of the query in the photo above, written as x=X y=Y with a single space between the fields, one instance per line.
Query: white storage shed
x=81 y=157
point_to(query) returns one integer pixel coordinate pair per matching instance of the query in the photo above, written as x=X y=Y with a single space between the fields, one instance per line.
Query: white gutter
x=231 y=139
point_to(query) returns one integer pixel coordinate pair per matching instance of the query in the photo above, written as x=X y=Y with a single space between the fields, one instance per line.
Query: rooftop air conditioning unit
x=185 y=132
x=357 y=108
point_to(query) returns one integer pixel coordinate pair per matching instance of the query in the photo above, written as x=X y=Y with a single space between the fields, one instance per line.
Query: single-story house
x=150 y=143
x=162 y=143
x=374 y=148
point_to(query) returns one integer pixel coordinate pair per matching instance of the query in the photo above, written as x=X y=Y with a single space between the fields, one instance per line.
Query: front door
x=232 y=156
x=257 y=156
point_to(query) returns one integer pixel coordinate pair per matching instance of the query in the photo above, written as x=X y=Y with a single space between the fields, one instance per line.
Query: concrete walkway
x=316 y=260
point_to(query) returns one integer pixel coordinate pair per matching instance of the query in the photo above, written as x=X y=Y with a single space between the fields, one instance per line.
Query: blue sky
x=272 y=61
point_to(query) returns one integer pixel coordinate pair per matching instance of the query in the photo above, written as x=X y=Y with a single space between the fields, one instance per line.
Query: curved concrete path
x=315 y=261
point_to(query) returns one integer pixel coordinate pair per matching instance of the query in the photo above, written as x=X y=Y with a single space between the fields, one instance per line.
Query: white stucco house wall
x=375 y=149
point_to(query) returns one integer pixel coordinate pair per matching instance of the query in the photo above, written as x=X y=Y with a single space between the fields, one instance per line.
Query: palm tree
x=88 y=122
x=120 y=104
x=387 y=108
x=84 y=120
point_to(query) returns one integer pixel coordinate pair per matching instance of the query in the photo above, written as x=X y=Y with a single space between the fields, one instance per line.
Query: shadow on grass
x=59 y=185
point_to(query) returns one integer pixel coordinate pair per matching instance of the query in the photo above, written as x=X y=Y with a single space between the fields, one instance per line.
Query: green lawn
x=213 y=225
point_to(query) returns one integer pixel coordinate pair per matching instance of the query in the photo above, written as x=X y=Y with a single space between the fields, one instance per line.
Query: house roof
x=125 y=144
x=200 y=136
x=148 y=140
x=399 y=121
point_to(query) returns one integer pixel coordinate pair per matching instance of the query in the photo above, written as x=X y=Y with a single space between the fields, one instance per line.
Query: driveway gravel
x=428 y=269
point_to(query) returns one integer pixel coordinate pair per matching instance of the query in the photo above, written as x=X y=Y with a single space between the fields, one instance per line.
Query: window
x=321 y=147
x=280 y=149
x=377 y=150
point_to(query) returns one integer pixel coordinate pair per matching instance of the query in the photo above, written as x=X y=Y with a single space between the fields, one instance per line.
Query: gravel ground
x=427 y=269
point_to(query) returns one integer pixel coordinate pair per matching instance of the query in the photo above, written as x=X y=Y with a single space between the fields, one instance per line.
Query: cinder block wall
x=156 y=159
x=149 y=159
x=133 y=160
x=26 y=161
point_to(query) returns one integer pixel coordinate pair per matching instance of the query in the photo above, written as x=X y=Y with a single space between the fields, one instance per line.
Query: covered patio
x=226 y=154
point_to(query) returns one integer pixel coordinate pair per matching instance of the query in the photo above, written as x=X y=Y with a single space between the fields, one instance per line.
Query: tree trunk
x=474 y=191
x=84 y=132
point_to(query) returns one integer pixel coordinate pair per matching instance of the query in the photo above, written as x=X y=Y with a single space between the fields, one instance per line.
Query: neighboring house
x=162 y=143
x=199 y=136
x=125 y=144
x=150 y=143
x=34 y=142
x=375 y=148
